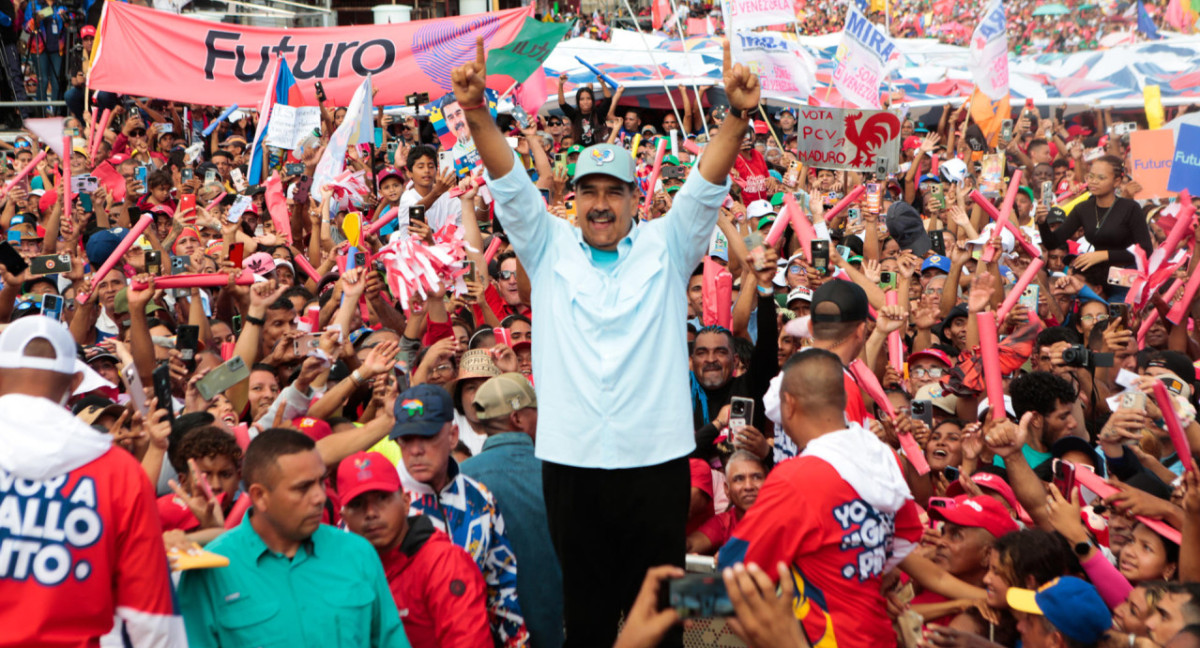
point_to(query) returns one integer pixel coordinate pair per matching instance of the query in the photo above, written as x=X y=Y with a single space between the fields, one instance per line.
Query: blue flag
x=281 y=89
x=1146 y=23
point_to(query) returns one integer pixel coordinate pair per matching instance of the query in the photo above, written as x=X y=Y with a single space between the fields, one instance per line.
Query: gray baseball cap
x=605 y=159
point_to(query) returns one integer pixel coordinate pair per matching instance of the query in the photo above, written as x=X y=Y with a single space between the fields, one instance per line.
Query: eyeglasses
x=505 y=275
x=1094 y=318
x=443 y=369
x=137 y=132
x=932 y=372
x=1097 y=177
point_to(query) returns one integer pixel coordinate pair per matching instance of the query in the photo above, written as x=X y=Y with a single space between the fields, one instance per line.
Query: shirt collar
x=623 y=246
x=257 y=548
x=507 y=439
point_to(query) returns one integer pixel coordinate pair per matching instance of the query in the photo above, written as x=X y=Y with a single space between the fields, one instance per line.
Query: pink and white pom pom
x=414 y=267
x=349 y=190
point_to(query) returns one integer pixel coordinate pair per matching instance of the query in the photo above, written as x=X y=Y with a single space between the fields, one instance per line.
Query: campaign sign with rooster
x=848 y=139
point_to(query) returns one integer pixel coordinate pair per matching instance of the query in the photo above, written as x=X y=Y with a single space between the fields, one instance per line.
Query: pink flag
x=277 y=206
x=531 y=93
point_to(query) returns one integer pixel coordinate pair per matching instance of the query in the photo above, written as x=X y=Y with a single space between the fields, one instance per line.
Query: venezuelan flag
x=282 y=89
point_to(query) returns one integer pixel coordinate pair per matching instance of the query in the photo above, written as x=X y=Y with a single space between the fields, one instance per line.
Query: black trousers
x=609 y=527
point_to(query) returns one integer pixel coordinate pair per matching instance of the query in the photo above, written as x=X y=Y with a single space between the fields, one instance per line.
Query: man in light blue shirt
x=610 y=351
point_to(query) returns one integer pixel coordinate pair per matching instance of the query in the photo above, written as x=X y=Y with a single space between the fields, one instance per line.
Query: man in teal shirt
x=291 y=581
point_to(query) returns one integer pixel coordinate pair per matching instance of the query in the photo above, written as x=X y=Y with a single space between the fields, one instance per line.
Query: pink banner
x=203 y=62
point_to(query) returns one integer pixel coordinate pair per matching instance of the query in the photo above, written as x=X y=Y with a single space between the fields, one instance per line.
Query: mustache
x=602 y=213
x=711 y=365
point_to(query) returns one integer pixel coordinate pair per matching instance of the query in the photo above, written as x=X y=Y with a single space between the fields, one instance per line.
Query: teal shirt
x=332 y=593
x=1032 y=457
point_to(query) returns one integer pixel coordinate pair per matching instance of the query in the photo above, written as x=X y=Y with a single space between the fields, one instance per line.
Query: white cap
x=1008 y=407
x=1007 y=240
x=758 y=209
x=802 y=294
x=20 y=333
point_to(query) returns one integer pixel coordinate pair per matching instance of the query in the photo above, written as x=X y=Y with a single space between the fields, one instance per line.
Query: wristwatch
x=740 y=113
x=1082 y=548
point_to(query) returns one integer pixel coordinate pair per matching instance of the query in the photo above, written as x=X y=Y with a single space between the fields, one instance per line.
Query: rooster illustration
x=875 y=132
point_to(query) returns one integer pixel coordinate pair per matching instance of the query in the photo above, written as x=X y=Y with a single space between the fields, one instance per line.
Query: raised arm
x=742 y=89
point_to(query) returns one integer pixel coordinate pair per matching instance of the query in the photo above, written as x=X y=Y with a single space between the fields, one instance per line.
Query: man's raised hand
x=470 y=79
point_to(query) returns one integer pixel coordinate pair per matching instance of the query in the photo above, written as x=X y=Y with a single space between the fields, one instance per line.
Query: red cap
x=390 y=172
x=994 y=483
x=316 y=429
x=88 y=30
x=912 y=142
x=935 y=354
x=760 y=128
x=47 y=200
x=363 y=472
x=118 y=159
x=981 y=512
x=1075 y=130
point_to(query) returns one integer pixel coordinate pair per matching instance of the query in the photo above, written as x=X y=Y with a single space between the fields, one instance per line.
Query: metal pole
x=653 y=61
x=691 y=71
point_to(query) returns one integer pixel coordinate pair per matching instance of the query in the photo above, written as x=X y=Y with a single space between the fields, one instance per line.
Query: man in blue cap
x=1067 y=612
x=615 y=430
x=456 y=504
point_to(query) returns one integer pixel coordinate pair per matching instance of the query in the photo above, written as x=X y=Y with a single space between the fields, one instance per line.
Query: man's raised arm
x=470 y=81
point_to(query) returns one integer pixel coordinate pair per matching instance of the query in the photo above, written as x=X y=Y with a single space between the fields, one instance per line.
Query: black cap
x=850 y=299
x=939 y=329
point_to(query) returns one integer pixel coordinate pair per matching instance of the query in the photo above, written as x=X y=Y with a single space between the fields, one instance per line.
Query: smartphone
x=49 y=264
x=1119 y=312
x=741 y=413
x=305 y=344
x=938 y=195
x=52 y=306
x=1064 y=476
x=222 y=377
x=1006 y=129
x=521 y=116
x=1048 y=194
x=887 y=280
x=844 y=251
x=1122 y=276
x=141 y=173
x=503 y=336
x=793 y=174
x=236 y=252
x=297 y=168
x=416 y=213
x=1133 y=400
x=937 y=242
x=882 y=168
x=236 y=323
x=210 y=176
x=154 y=262
x=179 y=264
x=941 y=502
x=922 y=410
x=1029 y=298
x=445 y=161
x=754 y=243
x=820 y=254
x=320 y=91
x=696 y=596
x=951 y=473
x=162 y=389
x=12 y=260
x=187 y=203
x=239 y=181
x=560 y=162
x=187 y=174
x=166 y=127
x=472 y=275
x=133 y=387
x=874 y=197
x=187 y=341
x=84 y=184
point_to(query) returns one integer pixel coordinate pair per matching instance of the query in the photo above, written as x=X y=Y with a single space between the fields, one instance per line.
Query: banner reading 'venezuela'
x=148 y=53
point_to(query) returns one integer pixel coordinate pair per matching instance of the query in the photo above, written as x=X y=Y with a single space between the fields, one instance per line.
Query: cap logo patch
x=974 y=505
x=603 y=156
x=413 y=407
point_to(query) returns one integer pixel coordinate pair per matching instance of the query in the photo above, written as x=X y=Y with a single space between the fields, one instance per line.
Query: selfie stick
x=846 y=201
x=989 y=352
x=867 y=380
x=116 y=256
x=1183 y=449
x=217 y=122
x=24 y=173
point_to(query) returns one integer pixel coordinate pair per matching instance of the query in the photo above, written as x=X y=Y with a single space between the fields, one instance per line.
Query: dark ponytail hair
x=1114 y=162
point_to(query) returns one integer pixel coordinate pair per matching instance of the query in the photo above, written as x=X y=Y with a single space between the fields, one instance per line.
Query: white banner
x=333 y=160
x=862 y=59
x=289 y=125
x=784 y=67
x=748 y=14
x=989 y=52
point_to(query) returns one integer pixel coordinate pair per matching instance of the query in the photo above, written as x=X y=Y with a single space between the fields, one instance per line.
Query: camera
x=416 y=99
x=1078 y=355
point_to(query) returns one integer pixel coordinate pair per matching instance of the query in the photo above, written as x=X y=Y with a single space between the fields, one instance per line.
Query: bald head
x=813 y=380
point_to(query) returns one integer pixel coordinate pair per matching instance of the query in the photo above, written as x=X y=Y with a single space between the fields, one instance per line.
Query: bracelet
x=357 y=377
x=482 y=104
x=257 y=321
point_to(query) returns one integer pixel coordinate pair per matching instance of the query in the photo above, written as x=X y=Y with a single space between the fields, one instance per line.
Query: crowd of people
x=507 y=405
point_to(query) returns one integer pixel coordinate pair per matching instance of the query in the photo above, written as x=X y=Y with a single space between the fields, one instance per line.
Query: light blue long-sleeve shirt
x=610 y=347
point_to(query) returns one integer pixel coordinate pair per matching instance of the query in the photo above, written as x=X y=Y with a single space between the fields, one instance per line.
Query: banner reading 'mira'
x=143 y=52
x=848 y=139
x=863 y=59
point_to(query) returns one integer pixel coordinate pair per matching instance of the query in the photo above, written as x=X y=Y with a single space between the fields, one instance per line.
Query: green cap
x=777 y=199
x=671 y=159
x=766 y=221
x=605 y=159
x=121 y=303
x=575 y=148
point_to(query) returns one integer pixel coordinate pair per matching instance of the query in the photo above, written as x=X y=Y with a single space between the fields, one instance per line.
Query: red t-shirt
x=720 y=527
x=174 y=514
x=702 y=479
x=837 y=545
x=856 y=409
x=752 y=176
x=78 y=546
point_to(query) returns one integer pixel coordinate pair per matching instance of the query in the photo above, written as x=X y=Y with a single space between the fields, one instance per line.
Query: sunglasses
x=505 y=275
x=137 y=132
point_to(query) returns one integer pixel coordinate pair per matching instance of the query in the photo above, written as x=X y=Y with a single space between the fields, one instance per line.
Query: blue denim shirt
x=507 y=467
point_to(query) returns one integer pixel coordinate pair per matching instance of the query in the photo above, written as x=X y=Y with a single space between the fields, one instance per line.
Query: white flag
x=989 y=52
x=50 y=131
x=784 y=68
x=357 y=127
x=863 y=59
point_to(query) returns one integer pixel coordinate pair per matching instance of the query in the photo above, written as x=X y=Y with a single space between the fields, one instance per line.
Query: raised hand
x=741 y=85
x=470 y=79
